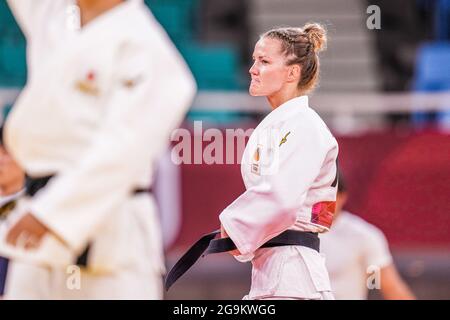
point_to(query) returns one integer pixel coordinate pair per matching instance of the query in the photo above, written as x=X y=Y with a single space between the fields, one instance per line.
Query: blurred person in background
x=12 y=179
x=105 y=89
x=353 y=250
x=289 y=170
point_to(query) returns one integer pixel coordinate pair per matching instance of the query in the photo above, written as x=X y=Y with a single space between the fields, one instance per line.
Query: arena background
x=384 y=92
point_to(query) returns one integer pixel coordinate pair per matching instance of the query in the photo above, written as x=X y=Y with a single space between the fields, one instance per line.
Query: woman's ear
x=294 y=73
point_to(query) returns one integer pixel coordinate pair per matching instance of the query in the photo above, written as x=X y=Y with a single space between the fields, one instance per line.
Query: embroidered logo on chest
x=284 y=139
x=132 y=82
x=88 y=84
x=255 y=167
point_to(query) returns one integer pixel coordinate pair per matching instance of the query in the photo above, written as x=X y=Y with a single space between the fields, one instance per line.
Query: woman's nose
x=253 y=69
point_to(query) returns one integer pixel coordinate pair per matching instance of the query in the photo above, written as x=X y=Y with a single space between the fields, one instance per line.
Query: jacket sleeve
x=30 y=14
x=267 y=209
x=153 y=90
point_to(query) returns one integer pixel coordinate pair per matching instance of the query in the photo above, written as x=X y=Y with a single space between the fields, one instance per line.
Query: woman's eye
x=264 y=61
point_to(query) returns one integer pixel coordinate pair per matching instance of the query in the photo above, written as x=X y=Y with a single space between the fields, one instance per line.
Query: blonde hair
x=301 y=46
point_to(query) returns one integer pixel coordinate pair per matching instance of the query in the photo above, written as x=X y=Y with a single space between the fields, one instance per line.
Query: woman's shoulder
x=309 y=123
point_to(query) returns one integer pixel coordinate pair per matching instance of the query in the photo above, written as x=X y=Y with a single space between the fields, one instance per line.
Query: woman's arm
x=265 y=210
x=28 y=13
x=392 y=285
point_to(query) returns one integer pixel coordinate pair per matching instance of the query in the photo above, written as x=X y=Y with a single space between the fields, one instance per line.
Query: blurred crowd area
x=216 y=38
x=405 y=49
x=396 y=161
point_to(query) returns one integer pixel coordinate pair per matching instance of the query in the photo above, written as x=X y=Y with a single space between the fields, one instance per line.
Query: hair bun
x=317 y=36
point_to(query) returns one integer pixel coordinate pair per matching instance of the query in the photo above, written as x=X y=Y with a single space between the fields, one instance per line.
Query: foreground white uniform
x=353 y=249
x=98 y=109
x=288 y=167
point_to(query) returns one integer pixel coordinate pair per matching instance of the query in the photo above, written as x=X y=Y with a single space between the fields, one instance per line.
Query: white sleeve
x=269 y=208
x=153 y=91
x=376 y=248
x=29 y=14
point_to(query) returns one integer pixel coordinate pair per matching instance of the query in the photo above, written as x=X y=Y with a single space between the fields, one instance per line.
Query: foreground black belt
x=207 y=245
x=33 y=185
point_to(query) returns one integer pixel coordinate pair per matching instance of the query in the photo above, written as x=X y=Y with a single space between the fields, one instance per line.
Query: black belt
x=208 y=245
x=33 y=185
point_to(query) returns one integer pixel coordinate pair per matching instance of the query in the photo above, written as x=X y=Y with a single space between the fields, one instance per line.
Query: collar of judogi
x=287 y=109
x=294 y=103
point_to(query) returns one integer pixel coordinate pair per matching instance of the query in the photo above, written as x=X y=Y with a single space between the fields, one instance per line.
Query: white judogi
x=353 y=249
x=97 y=111
x=288 y=167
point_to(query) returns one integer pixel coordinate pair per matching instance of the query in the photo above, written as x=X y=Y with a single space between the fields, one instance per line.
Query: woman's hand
x=27 y=232
x=224 y=234
x=12 y=177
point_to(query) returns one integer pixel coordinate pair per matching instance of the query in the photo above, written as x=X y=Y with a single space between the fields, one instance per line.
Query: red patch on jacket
x=322 y=213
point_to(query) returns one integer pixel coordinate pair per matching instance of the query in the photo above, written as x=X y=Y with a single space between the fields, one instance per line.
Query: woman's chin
x=254 y=92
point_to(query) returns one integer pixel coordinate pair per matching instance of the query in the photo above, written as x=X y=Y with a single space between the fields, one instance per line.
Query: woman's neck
x=91 y=9
x=282 y=96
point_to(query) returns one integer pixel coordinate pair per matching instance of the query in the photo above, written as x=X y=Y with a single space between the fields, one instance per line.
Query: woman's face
x=269 y=71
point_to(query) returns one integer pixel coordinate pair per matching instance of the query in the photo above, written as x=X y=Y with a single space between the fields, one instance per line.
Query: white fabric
x=5 y=199
x=30 y=282
x=167 y=190
x=98 y=109
x=283 y=181
x=351 y=247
